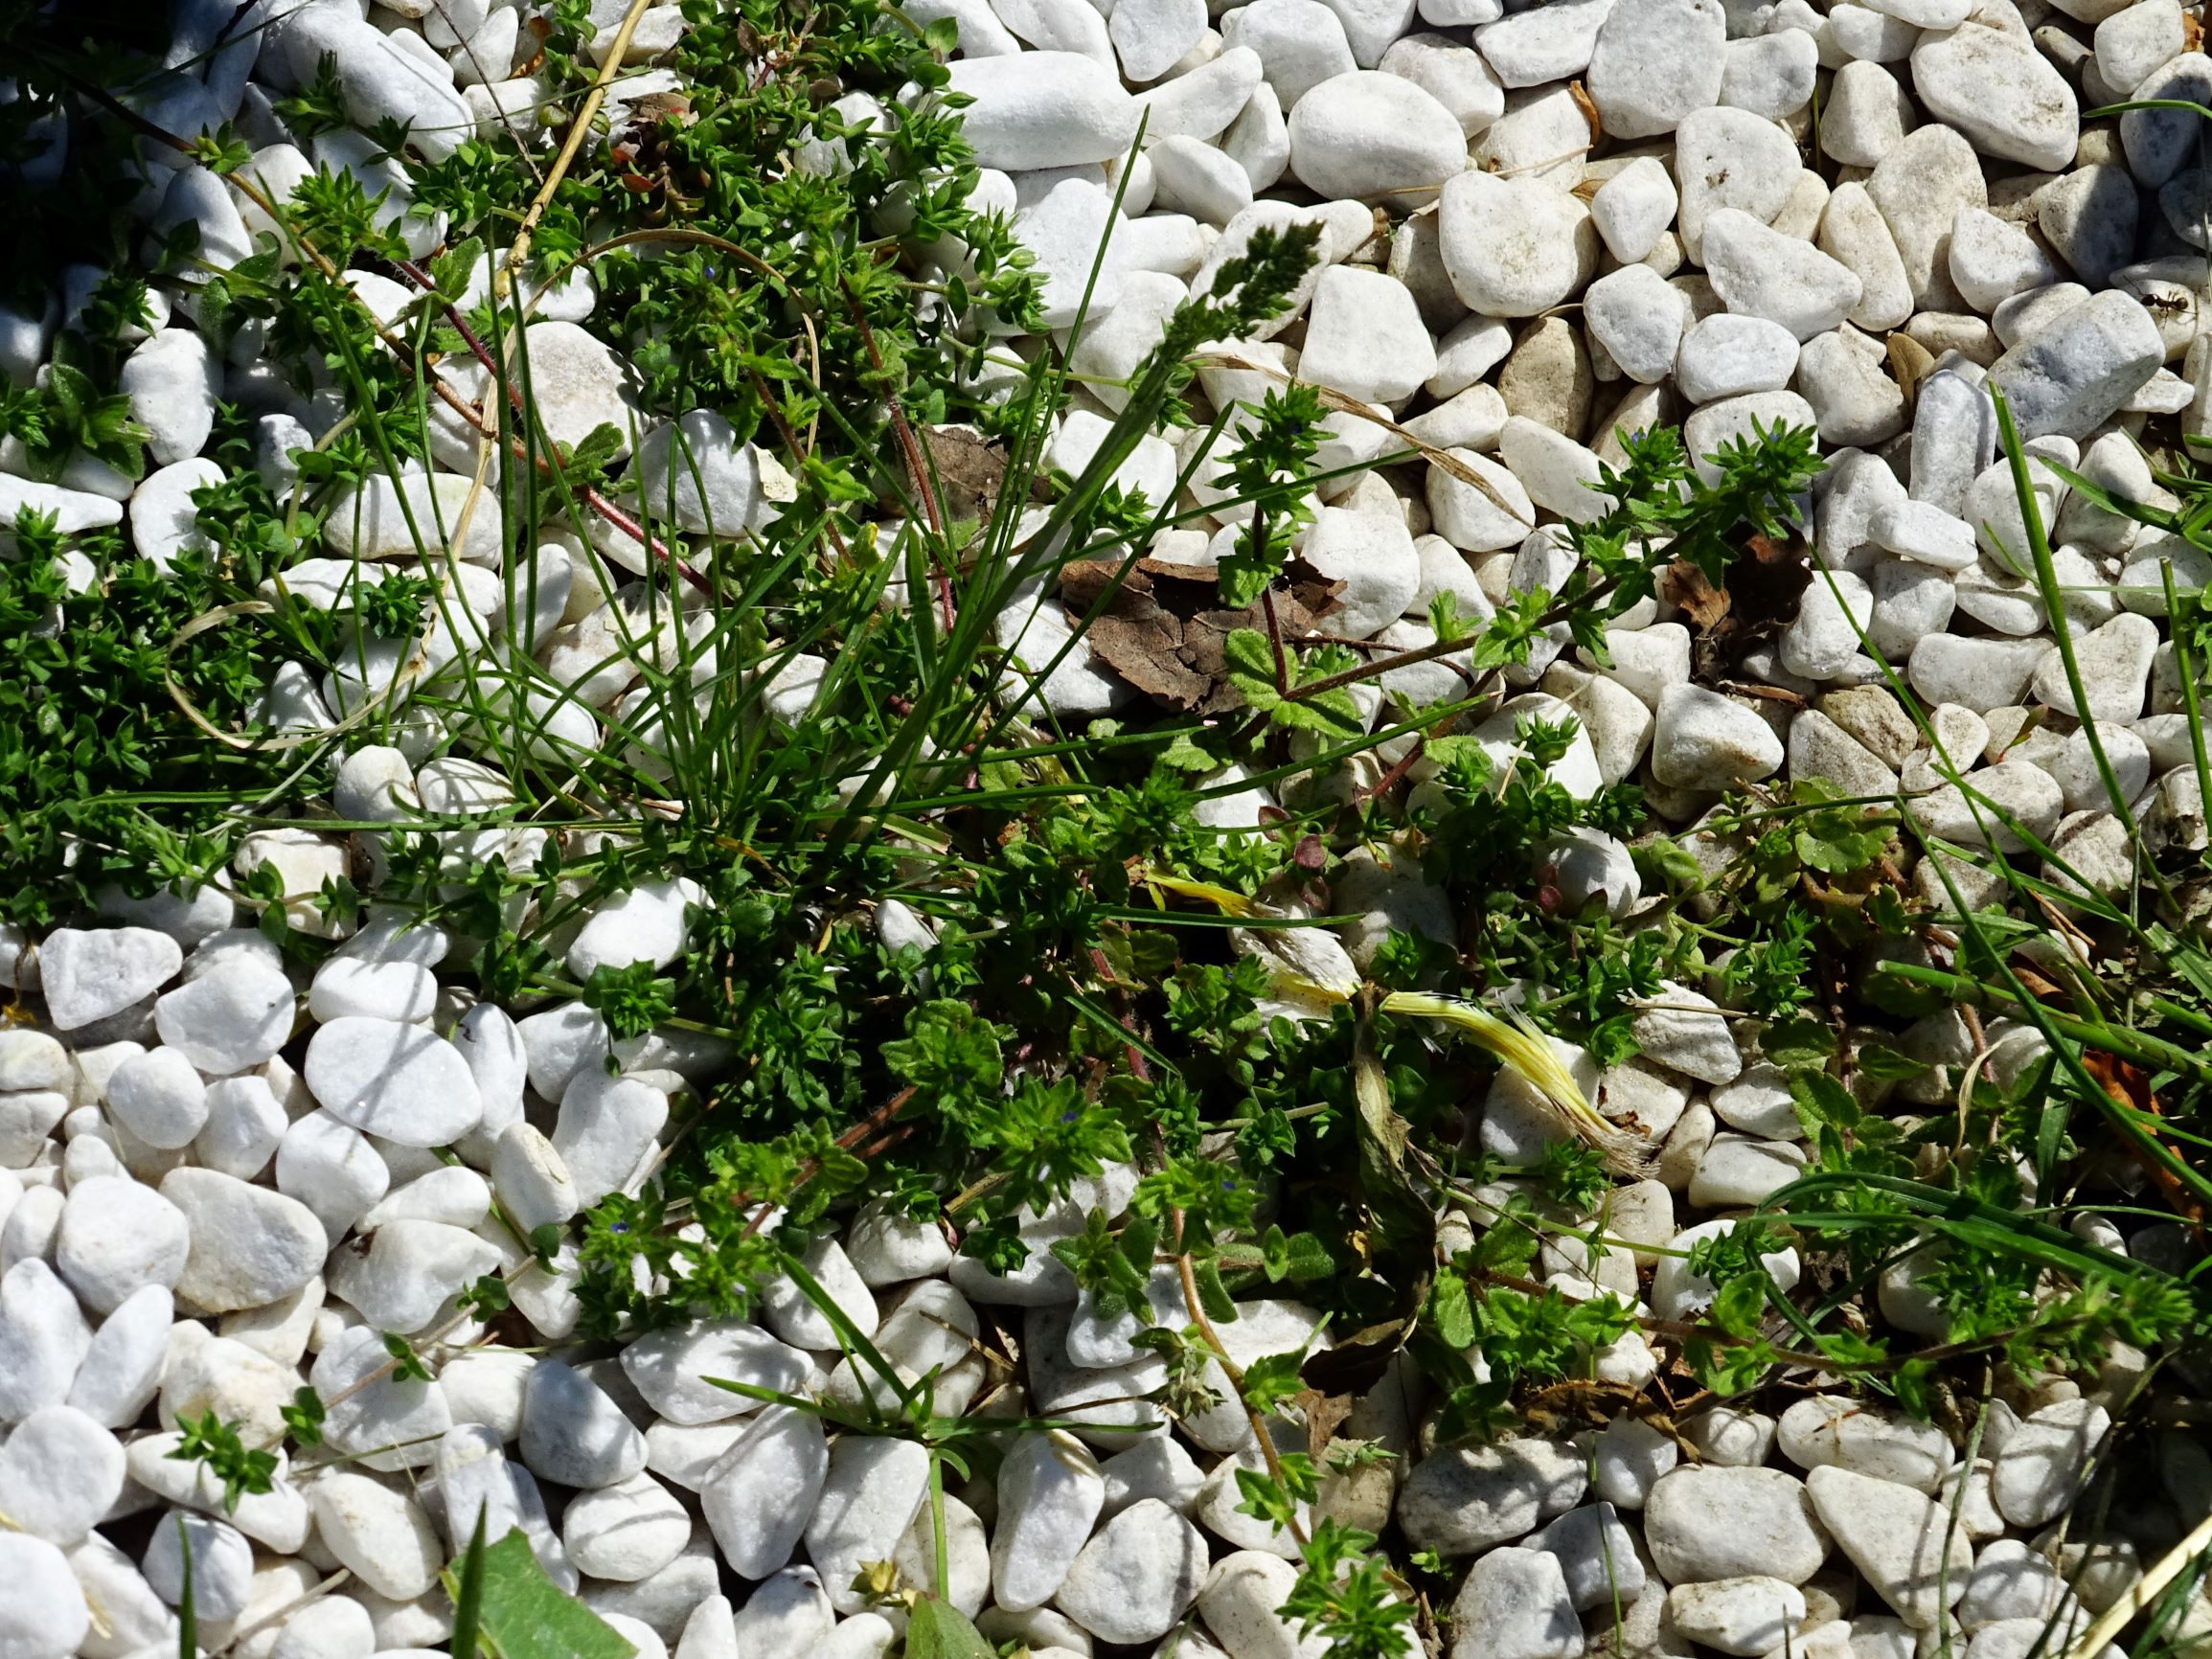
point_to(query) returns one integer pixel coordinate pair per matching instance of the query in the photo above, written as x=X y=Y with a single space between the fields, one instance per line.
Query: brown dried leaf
x=1148 y=653
x=1587 y=105
x=1168 y=637
x=1683 y=585
x=1765 y=582
x=1325 y=1413
x=970 y=469
x=1357 y=1363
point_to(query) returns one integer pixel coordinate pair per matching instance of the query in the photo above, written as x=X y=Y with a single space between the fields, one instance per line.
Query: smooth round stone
x=1994 y=86
x=1705 y=741
x=332 y=1168
x=30 y=1060
x=159 y=1097
x=334 y=1627
x=395 y=1081
x=393 y=1422
x=573 y=1433
x=118 y=1237
x=1704 y=1523
x=404 y=991
x=626 y=1531
x=382 y=1535
x=59 y=1474
x=1515 y=247
x=1137 y=1576
x=1725 y=356
x=250 y=1245
x=222 y=1564
x=1370 y=136
x=43 y=1616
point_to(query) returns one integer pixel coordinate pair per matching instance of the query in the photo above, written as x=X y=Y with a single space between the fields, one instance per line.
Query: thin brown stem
x=1236 y=1375
x=578 y=126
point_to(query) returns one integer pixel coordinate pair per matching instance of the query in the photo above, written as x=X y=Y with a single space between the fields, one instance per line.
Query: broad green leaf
x=1877 y=1060
x=1797 y=1042
x=1451 y=1310
x=1250 y=662
x=453 y=269
x=938 y=1630
x=525 y=1615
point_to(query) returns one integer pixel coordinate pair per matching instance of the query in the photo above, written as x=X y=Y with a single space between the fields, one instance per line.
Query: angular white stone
x=1899 y=1539
x=121 y=1369
x=250 y=1245
x=231 y=1018
x=1702 y=1523
x=2077 y=369
x=1137 y=1576
x=1655 y=61
x=1746 y=1615
x=1465 y=1500
x=870 y=1495
x=90 y=974
x=1044 y=110
x=1759 y=272
x=1865 y=1439
x=1516 y=1602
x=761 y=1494
x=1364 y=337
x=43 y=1339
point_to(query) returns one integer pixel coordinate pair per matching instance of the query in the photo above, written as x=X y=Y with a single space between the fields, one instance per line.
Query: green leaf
x=937 y=1630
x=1249 y=661
x=525 y=1615
x=187 y=1602
x=467 y=1596
x=599 y=445
x=452 y=270
x=1213 y=1295
x=1450 y=1309
x=1272 y=1379
x=1879 y=1061
x=1797 y=1042
x=1187 y=754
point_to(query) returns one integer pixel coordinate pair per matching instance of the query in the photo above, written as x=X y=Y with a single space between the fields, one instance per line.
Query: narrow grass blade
x=187 y=1611
x=468 y=1596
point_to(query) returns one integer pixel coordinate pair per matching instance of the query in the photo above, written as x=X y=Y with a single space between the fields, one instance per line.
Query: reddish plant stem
x=592 y=498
